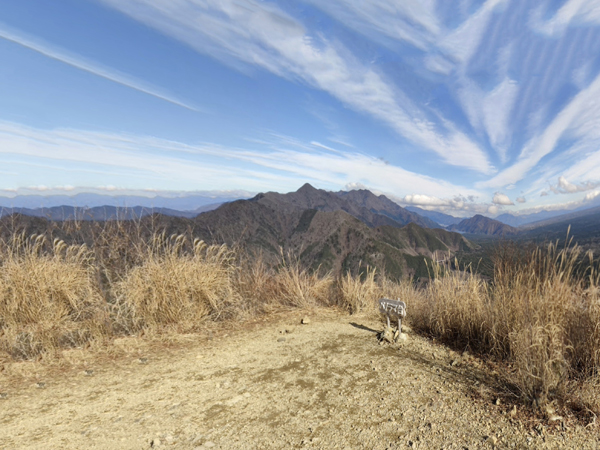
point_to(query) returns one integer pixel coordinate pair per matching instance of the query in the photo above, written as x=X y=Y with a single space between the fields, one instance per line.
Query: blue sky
x=463 y=106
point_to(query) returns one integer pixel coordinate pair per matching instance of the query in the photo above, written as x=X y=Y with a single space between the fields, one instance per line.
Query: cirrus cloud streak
x=263 y=35
x=277 y=163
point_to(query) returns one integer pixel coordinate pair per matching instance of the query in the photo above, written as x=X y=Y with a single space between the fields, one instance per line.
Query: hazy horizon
x=189 y=201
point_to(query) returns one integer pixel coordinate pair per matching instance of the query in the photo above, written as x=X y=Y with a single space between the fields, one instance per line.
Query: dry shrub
x=254 y=282
x=530 y=312
x=118 y=247
x=538 y=357
x=357 y=294
x=49 y=297
x=294 y=286
x=583 y=326
x=454 y=308
x=537 y=315
x=584 y=397
x=175 y=286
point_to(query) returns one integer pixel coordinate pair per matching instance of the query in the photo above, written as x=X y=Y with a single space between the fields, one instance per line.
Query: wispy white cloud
x=497 y=107
x=86 y=65
x=274 y=164
x=263 y=35
x=579 y=114
x=341 y=141
x=463 y=42
x=326 y=147
x=586 y=168
x=125 y=160
x=412 y=21
x=571 y=12
x=491 y=111
x=439 y=64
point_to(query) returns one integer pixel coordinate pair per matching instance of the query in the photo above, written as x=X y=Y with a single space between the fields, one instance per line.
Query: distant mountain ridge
x=569 y=217
x=331 y=231
x=441 y=218
x=190 y=202
x=371 y=209
x=582 y=226
x=101 y=213
x=544 y=217
x=479 y=224
x=525 y=219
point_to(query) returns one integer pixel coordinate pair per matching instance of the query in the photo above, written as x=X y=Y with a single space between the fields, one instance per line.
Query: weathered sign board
x=395 y=309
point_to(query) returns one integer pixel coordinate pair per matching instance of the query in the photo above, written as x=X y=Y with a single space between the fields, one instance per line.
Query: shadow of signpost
x=362 y=327
x=479 y=380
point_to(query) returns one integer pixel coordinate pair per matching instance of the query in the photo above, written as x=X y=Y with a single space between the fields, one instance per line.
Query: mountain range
x=371 y=209
x=327 y=231
x=362 y=204
x=187 y=202
x=526 y=219
x=479 y=224
x=582 y=226
x=100 y=213
x=443 y=219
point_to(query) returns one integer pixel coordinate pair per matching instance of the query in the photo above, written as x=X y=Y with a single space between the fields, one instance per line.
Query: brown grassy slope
x=331 y=240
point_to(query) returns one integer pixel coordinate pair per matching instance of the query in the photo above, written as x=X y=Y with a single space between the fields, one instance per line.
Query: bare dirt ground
x=278 y=385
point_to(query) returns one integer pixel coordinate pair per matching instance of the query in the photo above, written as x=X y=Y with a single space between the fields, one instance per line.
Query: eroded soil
x=282 y=385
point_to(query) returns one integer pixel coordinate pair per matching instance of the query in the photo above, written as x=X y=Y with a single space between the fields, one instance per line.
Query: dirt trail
x=327 y=384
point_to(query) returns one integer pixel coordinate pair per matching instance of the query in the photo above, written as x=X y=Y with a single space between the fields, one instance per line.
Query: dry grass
x=295 y=286
x=175 y=287
x=357 y=294
x=453 y=308
x=55 y=296
x=255 y=285
x=49 y=297
x=537 y=315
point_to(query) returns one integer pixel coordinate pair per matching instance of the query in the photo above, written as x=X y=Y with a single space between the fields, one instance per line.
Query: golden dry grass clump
x=175 y=286
x=294 y=286
x=266 y=289
x=358 y=294
x=453 y=307
x=539 y=315
x=49 y=296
